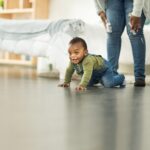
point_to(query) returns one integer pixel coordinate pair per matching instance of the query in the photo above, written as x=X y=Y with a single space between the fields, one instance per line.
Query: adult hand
x=135 y=23
x=103 y=17
x=64 y=85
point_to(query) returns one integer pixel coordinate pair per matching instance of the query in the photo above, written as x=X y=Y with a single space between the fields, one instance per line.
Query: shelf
x=16 y=11
x=21 y=10
x=17 y=62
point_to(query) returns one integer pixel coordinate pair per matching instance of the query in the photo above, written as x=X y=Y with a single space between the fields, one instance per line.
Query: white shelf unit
x=22 y=9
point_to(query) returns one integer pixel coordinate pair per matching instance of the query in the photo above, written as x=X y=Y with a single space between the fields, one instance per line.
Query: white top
x=138 y=6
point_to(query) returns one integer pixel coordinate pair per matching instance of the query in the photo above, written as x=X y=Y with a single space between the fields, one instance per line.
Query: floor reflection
x=36 y=114
x=110 y=123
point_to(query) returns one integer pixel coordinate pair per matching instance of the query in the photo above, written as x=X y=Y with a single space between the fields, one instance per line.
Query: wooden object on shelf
x=15 y=9
x=23 y=9
x=17 y=4
x=11 y=4
x=25 y=4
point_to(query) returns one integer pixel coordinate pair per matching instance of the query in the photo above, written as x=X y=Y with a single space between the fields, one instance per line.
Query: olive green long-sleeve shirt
x=84 y=68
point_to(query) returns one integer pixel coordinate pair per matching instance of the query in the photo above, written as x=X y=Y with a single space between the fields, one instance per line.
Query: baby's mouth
x=74 y=60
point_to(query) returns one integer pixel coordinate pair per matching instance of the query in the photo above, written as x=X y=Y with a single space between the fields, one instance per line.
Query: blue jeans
x=106 y=77
x=117 y=12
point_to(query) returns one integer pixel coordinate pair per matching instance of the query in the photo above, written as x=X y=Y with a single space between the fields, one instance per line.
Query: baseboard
x=128 y=69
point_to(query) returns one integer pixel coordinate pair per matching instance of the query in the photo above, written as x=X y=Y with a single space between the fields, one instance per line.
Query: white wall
x=69 y=9
x=79 y=9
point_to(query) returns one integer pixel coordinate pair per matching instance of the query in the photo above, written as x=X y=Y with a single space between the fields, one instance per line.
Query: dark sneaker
x=139 y=82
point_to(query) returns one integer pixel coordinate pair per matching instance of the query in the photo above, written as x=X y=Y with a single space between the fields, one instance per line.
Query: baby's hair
x=79 y=40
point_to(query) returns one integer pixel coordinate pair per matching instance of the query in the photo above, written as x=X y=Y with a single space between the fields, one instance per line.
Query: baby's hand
x=80 y=88
x=64 y=85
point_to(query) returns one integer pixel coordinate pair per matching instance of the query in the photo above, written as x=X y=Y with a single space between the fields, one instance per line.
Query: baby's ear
x=86 y=52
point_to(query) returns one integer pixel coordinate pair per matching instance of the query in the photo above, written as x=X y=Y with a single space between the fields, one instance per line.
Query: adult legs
x=116 y=16
x=138 y=44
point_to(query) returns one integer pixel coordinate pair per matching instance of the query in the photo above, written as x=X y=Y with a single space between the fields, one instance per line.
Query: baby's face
x=76 y=53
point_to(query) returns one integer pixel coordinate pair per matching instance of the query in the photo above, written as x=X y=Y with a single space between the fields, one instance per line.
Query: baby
x=93 y=68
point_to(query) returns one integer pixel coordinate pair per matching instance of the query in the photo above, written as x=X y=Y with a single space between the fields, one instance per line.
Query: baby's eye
x=76 y=52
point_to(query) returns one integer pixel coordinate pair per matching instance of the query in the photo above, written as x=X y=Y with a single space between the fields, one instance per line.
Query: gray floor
x=35 y=114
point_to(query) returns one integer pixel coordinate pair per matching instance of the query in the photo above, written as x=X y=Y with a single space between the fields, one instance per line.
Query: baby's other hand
x=64 y=85
x=80 y=88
